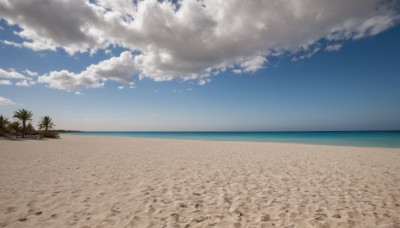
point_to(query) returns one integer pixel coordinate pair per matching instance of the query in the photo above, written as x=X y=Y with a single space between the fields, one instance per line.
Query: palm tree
x=23 y=115
x=3 y=123
x=46 y=123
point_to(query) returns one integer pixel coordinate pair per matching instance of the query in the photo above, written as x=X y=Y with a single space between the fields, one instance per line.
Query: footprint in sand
x=115 y=210
x=10 y=210
x=100 y=194
x=200 y=219
x=22 y=219
x=265 y=218
x=150 y=209
x=173 y=220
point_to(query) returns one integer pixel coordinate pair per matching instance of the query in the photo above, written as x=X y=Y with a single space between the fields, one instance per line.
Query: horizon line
x=309 y=131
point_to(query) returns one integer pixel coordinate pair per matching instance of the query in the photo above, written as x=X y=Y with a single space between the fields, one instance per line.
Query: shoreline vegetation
x=22 y=127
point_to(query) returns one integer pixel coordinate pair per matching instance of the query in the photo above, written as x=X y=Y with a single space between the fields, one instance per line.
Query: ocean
x=389 y=139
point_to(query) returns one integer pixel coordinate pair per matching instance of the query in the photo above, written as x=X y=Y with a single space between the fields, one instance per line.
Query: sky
x=211 y=65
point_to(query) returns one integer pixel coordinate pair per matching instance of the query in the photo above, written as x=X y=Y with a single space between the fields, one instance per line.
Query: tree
x=24 y=116
x=30 y=129
x=14 y=127
x=3 y=123
x=46 y=123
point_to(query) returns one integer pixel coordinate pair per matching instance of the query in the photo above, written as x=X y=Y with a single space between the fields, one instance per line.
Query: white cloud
x=253 y=64
x=118 y=69
x=11 y=74
x=108 y=52
x=237 y=71
x=306 y=52
x=204 y=81
x=6 y=101
x=11 y=43
x=190 y=40
x=25 y=83
x=333 y=47
x=49 y=25
x=5 y=82
x=31 y=73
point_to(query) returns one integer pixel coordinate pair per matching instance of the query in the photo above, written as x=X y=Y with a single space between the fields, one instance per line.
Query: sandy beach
x=83 y=181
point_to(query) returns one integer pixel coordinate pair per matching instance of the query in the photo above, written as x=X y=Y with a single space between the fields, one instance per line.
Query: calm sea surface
x=345 y=138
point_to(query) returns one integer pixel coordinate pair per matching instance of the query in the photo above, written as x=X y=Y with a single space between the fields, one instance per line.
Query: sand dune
x=80 y=181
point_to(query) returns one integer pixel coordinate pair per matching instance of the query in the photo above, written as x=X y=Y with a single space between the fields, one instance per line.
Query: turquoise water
x=345 y=138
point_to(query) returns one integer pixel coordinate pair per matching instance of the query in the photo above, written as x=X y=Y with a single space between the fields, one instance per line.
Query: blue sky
x=307 y=82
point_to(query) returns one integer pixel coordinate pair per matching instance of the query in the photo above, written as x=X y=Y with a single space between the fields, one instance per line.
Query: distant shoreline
x=232 y=131
x=67 y=131
x=385 y=139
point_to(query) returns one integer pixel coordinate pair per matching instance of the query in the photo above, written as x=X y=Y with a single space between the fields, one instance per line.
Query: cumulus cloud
x=21 y=79
x=253 y=64
x=52 y=24
x=25 y=83
x=118 y=69
x=191 y=39
x=5 y=82
x=6 y=101
x=11 y=74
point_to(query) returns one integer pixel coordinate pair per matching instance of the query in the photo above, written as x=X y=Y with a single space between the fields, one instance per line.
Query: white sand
x=82 y=181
